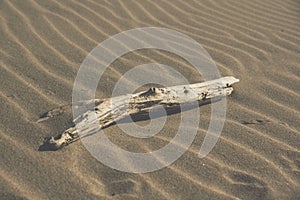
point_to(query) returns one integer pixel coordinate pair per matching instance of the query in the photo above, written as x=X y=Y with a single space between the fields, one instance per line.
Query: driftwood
x=108 y=111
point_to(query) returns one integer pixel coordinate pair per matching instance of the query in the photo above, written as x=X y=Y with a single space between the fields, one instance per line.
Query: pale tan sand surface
x=42 y=44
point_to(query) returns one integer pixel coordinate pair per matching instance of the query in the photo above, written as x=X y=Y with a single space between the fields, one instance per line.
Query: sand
x=257 y=156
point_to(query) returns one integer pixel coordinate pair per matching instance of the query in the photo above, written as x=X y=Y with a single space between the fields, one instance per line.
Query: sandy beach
x=43 y=44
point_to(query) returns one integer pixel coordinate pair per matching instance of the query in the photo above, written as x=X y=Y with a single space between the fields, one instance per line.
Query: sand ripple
x=257 y=157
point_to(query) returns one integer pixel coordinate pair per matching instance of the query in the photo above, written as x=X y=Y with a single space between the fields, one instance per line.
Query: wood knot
x=150 y=92
x=185 y=90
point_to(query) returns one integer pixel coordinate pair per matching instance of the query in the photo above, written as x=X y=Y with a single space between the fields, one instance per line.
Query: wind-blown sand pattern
x=258 y=154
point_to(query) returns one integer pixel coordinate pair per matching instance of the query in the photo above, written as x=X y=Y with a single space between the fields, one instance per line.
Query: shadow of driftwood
x=143 y=116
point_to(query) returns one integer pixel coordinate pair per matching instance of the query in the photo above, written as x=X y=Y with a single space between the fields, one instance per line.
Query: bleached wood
x=113 y=109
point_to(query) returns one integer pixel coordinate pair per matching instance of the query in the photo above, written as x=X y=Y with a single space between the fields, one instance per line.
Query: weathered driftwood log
x=113 y=109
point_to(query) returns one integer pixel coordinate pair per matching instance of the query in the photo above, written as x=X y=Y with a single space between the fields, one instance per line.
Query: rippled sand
x=258 y=155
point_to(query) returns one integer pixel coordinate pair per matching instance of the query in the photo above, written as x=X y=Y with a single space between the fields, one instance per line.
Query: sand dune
x=257 y=156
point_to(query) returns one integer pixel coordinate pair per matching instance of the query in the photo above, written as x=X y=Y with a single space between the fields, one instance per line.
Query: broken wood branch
x=110 y=110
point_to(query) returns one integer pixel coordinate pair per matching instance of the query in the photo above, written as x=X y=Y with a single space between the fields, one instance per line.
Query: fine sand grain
x=258 y=154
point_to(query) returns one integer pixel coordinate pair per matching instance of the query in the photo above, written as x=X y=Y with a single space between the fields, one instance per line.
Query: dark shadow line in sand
x=143 y=116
